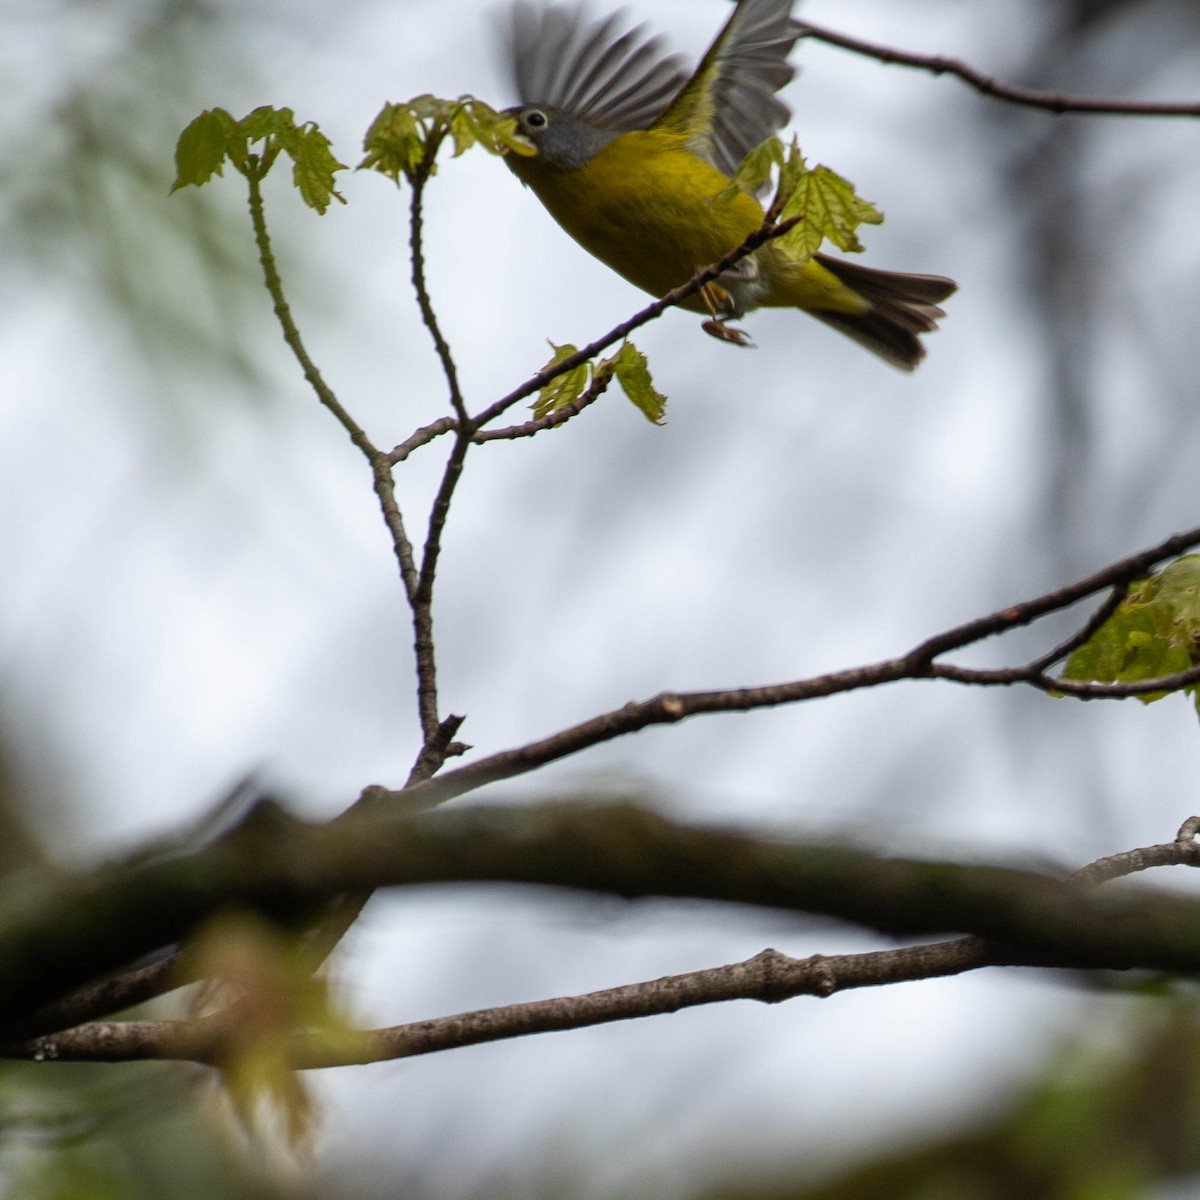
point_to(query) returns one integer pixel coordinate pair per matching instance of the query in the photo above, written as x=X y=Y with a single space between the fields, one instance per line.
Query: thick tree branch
x=73 y=927
x=769 y=977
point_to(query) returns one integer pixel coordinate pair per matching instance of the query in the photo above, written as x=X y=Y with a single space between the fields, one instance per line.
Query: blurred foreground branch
x=1018 y=917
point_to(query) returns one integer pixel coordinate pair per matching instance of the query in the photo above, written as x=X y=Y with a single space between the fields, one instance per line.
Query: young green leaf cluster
x=216 y=136
x=1154 y=632
x=404 y=138
x=830 y=208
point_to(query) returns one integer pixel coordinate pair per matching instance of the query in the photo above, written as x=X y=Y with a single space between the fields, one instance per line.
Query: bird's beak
x=520 y=144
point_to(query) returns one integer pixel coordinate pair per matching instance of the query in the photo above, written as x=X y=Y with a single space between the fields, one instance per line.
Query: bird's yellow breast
x=647 y=207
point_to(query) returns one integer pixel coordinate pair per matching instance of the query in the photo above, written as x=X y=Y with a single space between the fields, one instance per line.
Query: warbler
x=633 y=159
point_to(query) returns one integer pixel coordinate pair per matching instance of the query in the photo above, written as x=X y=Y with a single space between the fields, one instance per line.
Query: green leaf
x=1155 y=631
x=473 y=123
x=215 y=135
x=266 y=122
x=202 y=147
x=395 y=142
x=313 y=166
x=633 y=374
x=398 y=141
x=755 y=171
x=564 y=389
x=831 y=208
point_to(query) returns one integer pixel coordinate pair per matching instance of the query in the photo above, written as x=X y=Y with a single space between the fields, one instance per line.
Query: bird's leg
x=721 y=305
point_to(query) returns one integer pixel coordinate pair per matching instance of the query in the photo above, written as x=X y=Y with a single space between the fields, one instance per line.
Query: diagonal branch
x=767 y=232
x=669 y=708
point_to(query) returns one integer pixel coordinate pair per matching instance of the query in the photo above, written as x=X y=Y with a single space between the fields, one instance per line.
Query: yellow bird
x=632 y=158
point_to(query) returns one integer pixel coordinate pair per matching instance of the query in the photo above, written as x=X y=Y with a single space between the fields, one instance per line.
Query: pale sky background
x=197 y=582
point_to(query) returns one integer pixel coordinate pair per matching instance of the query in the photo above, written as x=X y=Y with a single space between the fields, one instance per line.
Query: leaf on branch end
x=831 y=209
x=204 y=145
x=215 y=136
x=403 y=137
x=628 y=365
x=1155 y=631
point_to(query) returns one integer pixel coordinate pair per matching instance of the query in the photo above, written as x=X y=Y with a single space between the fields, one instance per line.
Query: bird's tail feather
x=902 y=308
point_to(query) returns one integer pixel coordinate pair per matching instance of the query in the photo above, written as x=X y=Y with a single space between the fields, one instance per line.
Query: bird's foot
x=726 y=333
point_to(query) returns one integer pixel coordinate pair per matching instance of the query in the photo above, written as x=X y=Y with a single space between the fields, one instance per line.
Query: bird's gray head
x=562 y=142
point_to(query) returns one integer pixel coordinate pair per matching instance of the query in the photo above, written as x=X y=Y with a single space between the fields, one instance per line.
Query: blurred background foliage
x=145 y=465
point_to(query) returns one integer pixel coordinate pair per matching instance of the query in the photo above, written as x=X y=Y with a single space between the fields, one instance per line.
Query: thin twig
x=421 y=437
x=283 y=313
x=420 y=177
x=385 y=489
x=421 y=596
x=1184 y=851
x=560 y=416
x=1048 y=101
x=1083 y=689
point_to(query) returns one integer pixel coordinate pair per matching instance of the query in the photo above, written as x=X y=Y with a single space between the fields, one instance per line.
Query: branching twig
x=380 y=465
x=1049 y=101
x=671 y=707
x=1084 y=633
x=422 y=791
x=765 y=233
x=422 y=437
x=560 y=416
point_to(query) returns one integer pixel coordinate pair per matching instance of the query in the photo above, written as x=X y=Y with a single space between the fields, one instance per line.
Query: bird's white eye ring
x=535 y=119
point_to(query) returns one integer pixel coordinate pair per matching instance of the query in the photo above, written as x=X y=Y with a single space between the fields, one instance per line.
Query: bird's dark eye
x=535 y=119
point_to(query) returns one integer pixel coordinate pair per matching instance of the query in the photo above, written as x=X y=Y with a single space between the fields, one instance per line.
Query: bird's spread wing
x=617 y=81
x=729 y=105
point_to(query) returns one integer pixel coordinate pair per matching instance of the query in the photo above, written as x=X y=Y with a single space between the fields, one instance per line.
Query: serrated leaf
x=1155 y=631
x=563 y=389
x=831 y=209
x=215 y=135
x=394 y=143
x=265 y=122
x=313 y=166
x=202 y=147
x=633 y=374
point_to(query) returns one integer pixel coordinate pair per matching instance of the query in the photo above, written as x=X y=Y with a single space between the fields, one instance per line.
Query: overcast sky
x=197 y=582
